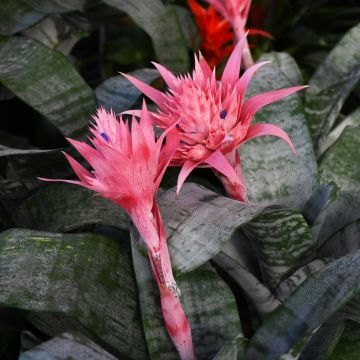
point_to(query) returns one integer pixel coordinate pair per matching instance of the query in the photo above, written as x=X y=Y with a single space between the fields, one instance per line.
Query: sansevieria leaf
x=85 y=276
x=161 y=23
x=282 y=178
x=330 y=86
x=48 y=82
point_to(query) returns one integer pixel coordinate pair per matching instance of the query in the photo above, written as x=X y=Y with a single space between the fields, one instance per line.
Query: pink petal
x=268 y=129
x=258 y=101
x=167 y=75
x=79 y=170
x=218 y=161
x=243 y=82
x=155 y=95
x=232 y=68
x=76 y=182
x=147 y=127
x=185 y=171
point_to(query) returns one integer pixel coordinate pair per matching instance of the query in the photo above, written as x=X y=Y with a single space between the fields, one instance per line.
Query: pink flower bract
x=213 y=118
x=127 y=169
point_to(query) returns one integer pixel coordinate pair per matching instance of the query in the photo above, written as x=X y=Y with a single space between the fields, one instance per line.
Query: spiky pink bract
x=213 y=118
x=127 y=169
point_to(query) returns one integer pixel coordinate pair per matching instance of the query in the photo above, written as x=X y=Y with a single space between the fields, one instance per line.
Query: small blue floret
x=223 y=114
x=105 y=136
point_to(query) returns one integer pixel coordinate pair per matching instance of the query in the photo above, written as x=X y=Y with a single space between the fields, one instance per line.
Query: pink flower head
x=236 y=12
x=212 y=117
x=127 y=169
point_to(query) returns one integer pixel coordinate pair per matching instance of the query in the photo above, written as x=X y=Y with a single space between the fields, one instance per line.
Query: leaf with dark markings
x=233 y=350
x=283 y=178
x=307 y=308
x=339 y=166
x=85 y=276
x=327 y=94
x=118 y=94
x=67 y=346
x=161 y=23
x=64 y=208
x=282 y=240
x=48 y=82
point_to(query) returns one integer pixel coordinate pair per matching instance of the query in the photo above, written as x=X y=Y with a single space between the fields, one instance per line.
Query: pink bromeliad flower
x=212 y=117
x=127 y=169
x=236 y=12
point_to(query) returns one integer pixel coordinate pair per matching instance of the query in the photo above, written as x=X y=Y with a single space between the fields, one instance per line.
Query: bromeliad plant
x=272 y=278
x=128 y=169
x=213 y=117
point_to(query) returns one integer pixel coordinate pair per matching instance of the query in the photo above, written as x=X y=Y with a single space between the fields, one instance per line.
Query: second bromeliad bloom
x=213 y=118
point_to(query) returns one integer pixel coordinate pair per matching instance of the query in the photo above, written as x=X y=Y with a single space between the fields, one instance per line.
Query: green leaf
x=67 y=346
x=233 y=350
x=199 y=223
x=7 y=151
x=323 y=342
x=283 y=178
x=331 y=84
x=339 y=165
x=118 y=94
x=57 y=6
x=206 y=299
x=48 y=82
x=162 y=25
x=307 y=308
x=85 y=276
x=16 y=15
x=348 y=347
x=351 y=120
x=282 y=239
x=64 y=208
x=288 y=66
x=343 y=242
x=259 y=295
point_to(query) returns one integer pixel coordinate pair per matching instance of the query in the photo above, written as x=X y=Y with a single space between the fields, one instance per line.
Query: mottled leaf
x=232 y=350
x=282 y=239
x=287 y=65
x=63 y=208
x=282 y=178
x=307 y=308
x=331 y=84
x=48 y=82
x=161 y=23
x=206 y=299
x=118 y=94
x=86 y=276
x=67 y=346
x=339 y=165
x=351 y=120
x=17 y=15
x=7 y=151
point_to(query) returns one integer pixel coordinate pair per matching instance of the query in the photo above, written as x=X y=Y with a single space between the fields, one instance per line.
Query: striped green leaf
x=118 y=94
x=85 y=276
x=272 y=173
x=162 y=25
x=207 y=301
x=331 y=84
x=339 y=166
x=67 y=346
x=307 y=308
x=233 y=350
x=48 y=82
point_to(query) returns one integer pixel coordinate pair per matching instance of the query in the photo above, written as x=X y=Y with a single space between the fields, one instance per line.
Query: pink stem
x=151 y=229
x=234 y=189
x=239 y=30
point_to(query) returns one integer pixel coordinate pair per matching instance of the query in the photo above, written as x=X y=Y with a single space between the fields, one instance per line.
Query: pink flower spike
x=155 y=95
x=232 y=68
x=268 y=129
x=213 y=119
x=127 y=169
